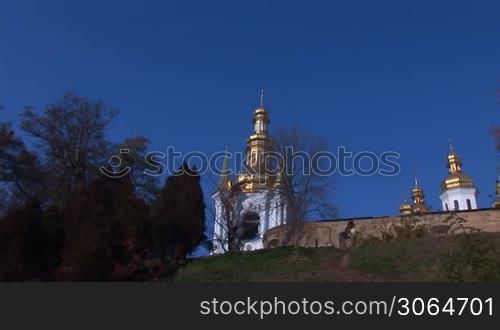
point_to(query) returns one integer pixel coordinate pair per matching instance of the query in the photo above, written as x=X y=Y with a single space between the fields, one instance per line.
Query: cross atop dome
x=450 y=145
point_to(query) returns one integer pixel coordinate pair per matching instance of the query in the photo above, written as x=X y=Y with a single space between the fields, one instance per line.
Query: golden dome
x=456 y=178
x=417 y=192
x=418 y=202
x=418 y=199
x=259 y=143
x=496 y=204
x=260 y=111
x=457 y=181
x=405 y=209
x=225 y=183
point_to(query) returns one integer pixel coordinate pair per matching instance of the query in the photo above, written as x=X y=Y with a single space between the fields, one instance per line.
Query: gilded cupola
x=496 y=203
x=418 y=198
x=256 y=174
x=417 y=206
x=456 y=178
x=405 y=208
x=225 y=183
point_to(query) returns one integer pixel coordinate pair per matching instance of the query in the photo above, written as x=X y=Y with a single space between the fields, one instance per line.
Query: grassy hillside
x=453 y=258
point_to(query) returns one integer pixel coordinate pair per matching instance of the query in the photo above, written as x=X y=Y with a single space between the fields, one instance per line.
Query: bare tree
x=227 y=223
x=18 y=166
x=305 y=190
x=146 y=186
x=70 y=135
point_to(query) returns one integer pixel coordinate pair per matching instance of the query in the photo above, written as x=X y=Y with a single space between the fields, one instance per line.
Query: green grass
x=445 y=259
x=261 y=266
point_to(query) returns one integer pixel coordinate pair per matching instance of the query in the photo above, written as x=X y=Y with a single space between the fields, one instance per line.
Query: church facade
x=458 y=189
x=246 y=208
x=252 y=206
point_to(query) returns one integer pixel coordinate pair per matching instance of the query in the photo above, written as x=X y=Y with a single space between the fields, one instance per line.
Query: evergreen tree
x=180 y=215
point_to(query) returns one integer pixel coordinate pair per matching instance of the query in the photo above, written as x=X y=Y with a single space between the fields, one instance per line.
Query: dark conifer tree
x=180 y=215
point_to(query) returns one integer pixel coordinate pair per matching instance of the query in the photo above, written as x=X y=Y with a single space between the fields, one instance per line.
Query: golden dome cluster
x=458 y=191
x=418 y=205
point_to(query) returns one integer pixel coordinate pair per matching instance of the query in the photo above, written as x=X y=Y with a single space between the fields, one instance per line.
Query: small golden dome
x=225 y=182
x=418 y=199
x=456 y=178
x=405 y=209
x=496 y=203
x=261 y=111
x=417 y=191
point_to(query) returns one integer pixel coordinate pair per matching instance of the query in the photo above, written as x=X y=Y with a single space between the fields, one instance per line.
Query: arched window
x=250 y=225
x=274 y=243
x=282 y=216
x=469 y=205
x=455 y=202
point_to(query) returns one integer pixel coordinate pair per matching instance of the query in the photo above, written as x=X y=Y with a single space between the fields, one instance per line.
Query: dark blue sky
x=368 y=75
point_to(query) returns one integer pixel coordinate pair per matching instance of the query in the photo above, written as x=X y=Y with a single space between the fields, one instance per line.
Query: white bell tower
x=458 y=190
x=253 y=203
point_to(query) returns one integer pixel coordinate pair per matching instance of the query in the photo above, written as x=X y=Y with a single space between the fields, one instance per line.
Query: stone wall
x=333 y=232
